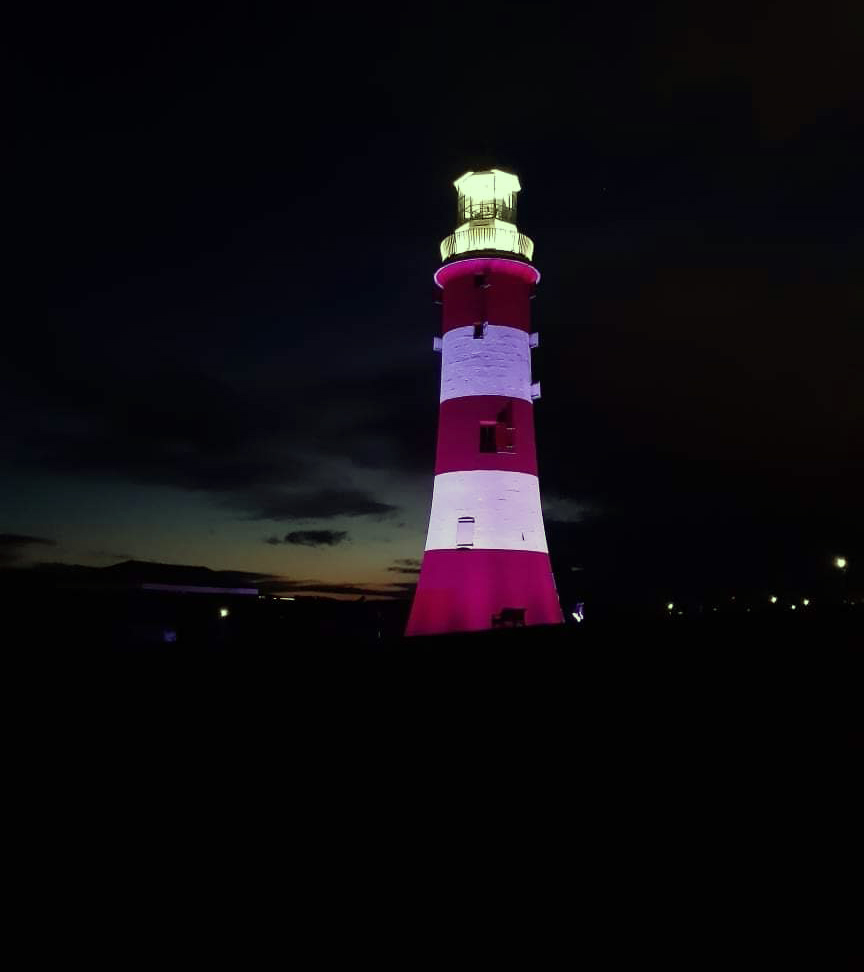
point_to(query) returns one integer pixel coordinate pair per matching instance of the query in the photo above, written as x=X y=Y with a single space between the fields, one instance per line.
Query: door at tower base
x=465 y=589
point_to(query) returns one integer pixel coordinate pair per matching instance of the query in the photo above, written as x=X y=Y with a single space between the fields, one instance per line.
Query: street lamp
x=840 y=563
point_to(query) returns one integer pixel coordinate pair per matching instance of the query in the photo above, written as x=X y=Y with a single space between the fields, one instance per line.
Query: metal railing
x=487 y=238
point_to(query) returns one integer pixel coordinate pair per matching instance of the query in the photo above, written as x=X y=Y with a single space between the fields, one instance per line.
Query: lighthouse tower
x=486 y=562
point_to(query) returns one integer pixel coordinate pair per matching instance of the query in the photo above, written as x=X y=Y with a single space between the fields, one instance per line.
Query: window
x=505 y=438
x=488 y=437
x=505 y=430
x=480 y=330
x=465 y=531
x=498 y=436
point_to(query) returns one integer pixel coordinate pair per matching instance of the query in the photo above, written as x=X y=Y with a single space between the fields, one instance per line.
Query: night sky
x=220 y=308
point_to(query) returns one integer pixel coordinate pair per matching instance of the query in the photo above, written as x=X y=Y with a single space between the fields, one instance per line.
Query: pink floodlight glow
x=526 y=271
x=459 y=422
x=486 y=563
x=494 y=579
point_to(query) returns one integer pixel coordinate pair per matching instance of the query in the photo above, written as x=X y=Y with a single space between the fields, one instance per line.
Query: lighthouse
x=486 y=563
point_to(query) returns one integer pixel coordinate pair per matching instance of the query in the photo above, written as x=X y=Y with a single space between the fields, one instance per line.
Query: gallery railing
x=502 y=238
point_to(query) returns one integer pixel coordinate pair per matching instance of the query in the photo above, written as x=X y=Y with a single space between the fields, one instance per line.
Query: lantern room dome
x=486 y=216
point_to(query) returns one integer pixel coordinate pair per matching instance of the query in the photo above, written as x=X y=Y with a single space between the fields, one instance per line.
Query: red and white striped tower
x=486 y=561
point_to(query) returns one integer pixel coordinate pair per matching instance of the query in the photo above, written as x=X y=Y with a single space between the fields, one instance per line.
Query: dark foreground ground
x=626 y=792
x=774 y=674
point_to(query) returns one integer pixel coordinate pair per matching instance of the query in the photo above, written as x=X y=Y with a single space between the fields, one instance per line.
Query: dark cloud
x=168 y=426
x=276 y=587
x=12 y=540
x=143 y=571
x=385 y=420
x=111 y=555
x=136 y=572
x=406 y=565
x=14 y=546
x=312 y=538
x=717 y=405
x=189 y=429
x=317 y=505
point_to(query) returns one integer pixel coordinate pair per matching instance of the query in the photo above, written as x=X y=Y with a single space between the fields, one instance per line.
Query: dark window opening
x=497 y=437
x=488 y=438
x=479 y=330
x=481 y=280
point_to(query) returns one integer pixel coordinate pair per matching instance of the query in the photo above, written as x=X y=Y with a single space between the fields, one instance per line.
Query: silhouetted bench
x=509 y=616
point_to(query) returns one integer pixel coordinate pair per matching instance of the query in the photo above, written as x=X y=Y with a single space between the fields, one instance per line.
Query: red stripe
x=459 y=424
x=472 y=265
x=506 y=300
x=461 y=590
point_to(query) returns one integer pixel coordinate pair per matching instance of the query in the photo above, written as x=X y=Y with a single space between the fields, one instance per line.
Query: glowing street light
x=670 y=606
x=223 y=612
x=840 y=563
x=773 y=598
x=806 y=601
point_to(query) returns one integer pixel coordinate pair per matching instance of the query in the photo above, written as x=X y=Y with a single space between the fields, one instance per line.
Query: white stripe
x=499 y=363
x=505 y=506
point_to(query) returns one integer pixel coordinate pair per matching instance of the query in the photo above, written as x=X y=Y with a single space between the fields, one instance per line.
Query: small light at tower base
x=223 y=612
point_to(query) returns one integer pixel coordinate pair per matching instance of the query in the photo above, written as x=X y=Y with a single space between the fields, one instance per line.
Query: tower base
x=475 y=590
